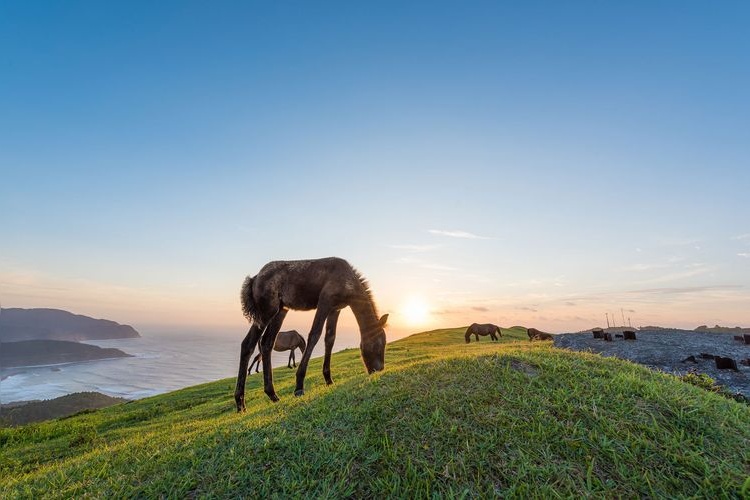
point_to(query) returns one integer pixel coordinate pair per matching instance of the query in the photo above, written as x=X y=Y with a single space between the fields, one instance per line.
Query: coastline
x=158 y=364
x=51 y=365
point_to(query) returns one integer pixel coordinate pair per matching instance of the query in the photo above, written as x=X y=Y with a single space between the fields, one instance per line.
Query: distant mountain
x=54 y=324
x=50 y=352
x=722 y=329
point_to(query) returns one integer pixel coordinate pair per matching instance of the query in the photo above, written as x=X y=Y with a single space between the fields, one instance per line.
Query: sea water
x=160 y=363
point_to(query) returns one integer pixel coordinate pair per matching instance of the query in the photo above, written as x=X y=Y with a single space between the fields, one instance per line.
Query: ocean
x=160 y=363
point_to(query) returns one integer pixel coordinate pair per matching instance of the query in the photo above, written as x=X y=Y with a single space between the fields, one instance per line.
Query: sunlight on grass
x=445 y=418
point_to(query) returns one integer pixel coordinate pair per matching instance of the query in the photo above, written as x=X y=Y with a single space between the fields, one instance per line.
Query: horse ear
x=383 y=321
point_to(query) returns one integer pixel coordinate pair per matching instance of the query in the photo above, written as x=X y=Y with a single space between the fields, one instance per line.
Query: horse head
x=469 y=331
x=373 y=347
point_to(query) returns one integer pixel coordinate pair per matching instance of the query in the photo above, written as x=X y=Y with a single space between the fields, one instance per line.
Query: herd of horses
x=327 y=285
x=485 y=329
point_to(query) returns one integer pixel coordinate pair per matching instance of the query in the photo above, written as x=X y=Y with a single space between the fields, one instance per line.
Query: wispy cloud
x=480 y=308
x=745 y=236
x=678 y=241
x=687 y=271
x=424 y=264
x=438 y=267
x=415 y=248
x=644 y=267
x=744 y=254
x=526 y=308
x=685 y=289
x=459 y=234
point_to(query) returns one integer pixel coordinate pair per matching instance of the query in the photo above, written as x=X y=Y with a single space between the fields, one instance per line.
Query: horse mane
x=367 y=291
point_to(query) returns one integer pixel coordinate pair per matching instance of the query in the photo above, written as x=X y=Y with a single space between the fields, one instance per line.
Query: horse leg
x=492 y=335
x=256 y=363
x=246 y=349
x=312 y=339
x=266 y=346
x=330 y=338
x=291 y=357
x=294 y=360
x=477 y=336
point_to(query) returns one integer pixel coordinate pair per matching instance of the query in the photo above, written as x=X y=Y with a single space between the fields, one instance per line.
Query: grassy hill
x=22 y=412
x=445 y=418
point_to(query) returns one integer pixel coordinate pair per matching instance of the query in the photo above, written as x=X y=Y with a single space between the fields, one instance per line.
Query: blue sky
x=539 y=163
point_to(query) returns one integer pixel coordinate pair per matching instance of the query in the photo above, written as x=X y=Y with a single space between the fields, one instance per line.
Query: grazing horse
x=486 y=329
x=327 y=285
x=535 y=334
x=286 y=341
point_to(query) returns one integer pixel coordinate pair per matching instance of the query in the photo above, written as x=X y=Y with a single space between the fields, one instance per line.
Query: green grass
x=445 y=418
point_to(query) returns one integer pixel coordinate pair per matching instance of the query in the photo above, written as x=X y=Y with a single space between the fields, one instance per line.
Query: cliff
x=54 y=324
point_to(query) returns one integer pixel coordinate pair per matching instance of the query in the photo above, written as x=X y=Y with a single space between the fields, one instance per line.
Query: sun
x=415 y=311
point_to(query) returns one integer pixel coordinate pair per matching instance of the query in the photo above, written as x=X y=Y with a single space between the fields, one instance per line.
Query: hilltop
x=18 y=324
x=512 y=418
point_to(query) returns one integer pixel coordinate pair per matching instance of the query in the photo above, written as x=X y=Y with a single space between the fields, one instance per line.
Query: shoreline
x=57 y=364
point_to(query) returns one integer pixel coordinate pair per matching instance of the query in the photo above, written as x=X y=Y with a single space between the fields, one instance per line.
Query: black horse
x=327 y=285
x=486 y=329
x=285 y=341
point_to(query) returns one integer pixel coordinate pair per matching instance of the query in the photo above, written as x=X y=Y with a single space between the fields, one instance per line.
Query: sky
x=547 y=164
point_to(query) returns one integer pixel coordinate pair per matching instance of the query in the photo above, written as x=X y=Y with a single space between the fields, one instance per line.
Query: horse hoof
x=299 y=392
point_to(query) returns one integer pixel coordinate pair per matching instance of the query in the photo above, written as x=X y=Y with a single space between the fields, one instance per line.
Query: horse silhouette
x=326 y=285
x=285 y=341
x=486 y=329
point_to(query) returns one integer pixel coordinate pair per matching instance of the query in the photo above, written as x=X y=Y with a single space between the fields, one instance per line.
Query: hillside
x=50 y=352
x=36 y=411
x=54 y=324
x=445 y=418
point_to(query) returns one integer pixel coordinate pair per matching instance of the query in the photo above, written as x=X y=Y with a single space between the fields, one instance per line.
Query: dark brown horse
x=486 y=329
x=285 y=341
x=327 y=285
x=535 y=334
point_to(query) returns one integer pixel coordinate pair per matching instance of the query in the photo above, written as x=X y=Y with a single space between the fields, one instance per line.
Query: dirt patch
x=673 y=351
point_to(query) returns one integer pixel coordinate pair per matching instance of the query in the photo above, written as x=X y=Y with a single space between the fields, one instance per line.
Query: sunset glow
x=415 y=311
x=470 y=168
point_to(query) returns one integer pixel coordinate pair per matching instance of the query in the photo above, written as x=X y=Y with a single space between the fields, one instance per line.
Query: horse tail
x=499 y=331
x=246 y=298
x=467 y=336
x=302 y=344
